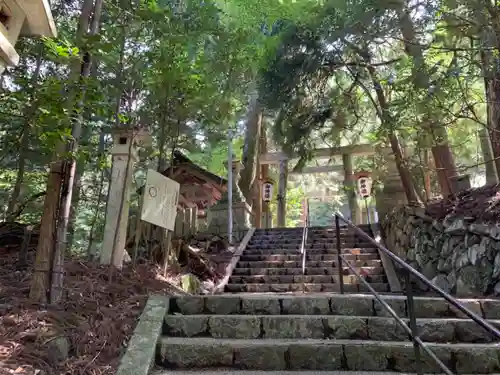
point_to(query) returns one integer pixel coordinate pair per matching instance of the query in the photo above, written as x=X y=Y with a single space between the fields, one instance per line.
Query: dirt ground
x=88 y=332
x=478 y=205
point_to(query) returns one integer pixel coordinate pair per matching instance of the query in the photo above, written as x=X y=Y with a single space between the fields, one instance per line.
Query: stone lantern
x=218 y=214
x=22 y=18
x=124 y=156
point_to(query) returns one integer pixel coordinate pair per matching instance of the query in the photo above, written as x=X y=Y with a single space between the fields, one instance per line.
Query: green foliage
x=185 y=69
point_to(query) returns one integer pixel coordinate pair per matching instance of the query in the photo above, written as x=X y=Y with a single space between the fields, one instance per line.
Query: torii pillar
x=124 y=155
x=350 y=189
x=282 y=185
x=392 y=194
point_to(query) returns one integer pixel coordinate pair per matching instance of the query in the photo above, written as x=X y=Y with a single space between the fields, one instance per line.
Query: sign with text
x=159 y=200
x=364 y=186
x=267 y=191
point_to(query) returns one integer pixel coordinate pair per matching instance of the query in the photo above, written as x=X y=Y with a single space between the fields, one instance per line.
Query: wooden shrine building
x=199 y=189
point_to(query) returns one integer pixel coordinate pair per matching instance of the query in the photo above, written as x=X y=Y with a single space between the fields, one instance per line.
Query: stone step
x=359 y=260
x=309 y=279
x=329 y=247
x=225 y=371
x=238 y=271
x=314 y=269
x=281 y=279
x=297 y=354
x=330 y=228
x=291 y=243
x=296 y=264
x=303 y=287
x=328 y=304
x=310 y=237
x=345 y=250
x=323 y=327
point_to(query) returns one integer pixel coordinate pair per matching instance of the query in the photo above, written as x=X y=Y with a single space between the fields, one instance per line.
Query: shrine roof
x=201 y=175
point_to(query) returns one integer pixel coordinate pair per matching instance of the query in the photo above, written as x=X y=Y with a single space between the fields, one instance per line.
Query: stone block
x=279 y=288
x=351 y=305
x=385 y=329
x=470 y=331
x=260 y=306
x=477 y=360
x=470 y=304
x=141 y=348
x=435 y=330
x=195 y=353
x=313 y=288
x=222 y=305
x=261 y=357
x=403 y=358
x=364 y=357
x=190 y=305
x=397 y=304
x=491 y=309
x=326 y=356
x=306 y=306
x=185 y=325
x=234 y=326
x=256 y=288
x=431 y=308
x=296 y=327
x=346 y=327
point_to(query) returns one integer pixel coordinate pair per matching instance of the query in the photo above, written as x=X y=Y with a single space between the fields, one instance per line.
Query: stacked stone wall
x=461 y=257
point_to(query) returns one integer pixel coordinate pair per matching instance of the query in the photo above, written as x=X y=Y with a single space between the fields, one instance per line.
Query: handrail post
x=339 y=256
x=413 y=323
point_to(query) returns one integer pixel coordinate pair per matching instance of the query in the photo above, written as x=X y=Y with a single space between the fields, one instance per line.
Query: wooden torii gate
x=283 y=159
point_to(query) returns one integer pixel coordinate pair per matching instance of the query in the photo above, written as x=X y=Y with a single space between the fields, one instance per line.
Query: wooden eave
x=39 y=20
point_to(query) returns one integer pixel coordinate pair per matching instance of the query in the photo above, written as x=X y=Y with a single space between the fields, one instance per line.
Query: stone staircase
x=257 y=332
x=272 y=262
x=327 y=332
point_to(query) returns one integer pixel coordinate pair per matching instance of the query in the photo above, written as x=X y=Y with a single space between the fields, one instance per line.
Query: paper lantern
x=364 y=186
x=267 y=191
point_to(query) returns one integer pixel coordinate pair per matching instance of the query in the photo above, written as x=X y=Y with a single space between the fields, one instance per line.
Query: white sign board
x=364 y=186
x=160 y=199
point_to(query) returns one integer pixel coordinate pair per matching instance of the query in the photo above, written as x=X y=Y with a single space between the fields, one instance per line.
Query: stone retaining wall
x=460 y=257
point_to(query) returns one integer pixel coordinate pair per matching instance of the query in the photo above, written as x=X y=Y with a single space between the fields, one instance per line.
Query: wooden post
x=23 y=252
x=194 y=220
x=257 y=201
x=179 y=222
x=166 y=245
x=282 y=185
x=186 y=226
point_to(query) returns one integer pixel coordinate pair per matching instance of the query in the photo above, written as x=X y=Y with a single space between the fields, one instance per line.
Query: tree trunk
x=490 y=141
x=251 y=148
x=99 y=200
x=427 y=174
x=387 y=122
x=441 y=150
x=62 y=196
x=488 y=158
x=445 y=167
x=81 y=71
x=40 y=283
x=80 y=170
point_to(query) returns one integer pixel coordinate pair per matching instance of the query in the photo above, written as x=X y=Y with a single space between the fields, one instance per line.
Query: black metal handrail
x=409 y=271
